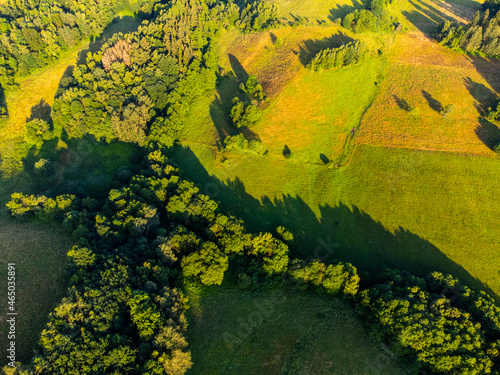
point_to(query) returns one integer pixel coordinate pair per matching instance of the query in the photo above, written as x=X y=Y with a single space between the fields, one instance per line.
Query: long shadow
x=85 y=167
x=238 y=69
x=433 y=102
x=66 y=80
x=485 y=98
x=311 y=47
x=464 y=9
x=488 y=133
x=341 y=232
x=3 y=105
x=228 y=88
x=426 y=18
x=489 y=69
x=403 y=104
x=220 y=108
x=342 y=10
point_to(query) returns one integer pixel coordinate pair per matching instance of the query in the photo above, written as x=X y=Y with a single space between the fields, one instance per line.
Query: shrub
x=497 y=148
x=253 y=88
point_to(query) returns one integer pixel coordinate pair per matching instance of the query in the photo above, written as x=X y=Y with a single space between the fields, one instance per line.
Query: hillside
x=187 y=161
x=409 y=166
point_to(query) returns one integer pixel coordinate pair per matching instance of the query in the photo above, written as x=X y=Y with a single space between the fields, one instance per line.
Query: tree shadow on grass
x=488 y=133
x=341 y=11
x=40 y=111
x=324 y=159
x=488 y=68
x=84 y=167
x=426 y=18
x=240 y=72
x=433 y=102
x=464 y=9
x=485 y=98
x=340 y=232
x=403 y=104
x=3 y=105
x=309 y=48
x=220 y=108
x=65 y=81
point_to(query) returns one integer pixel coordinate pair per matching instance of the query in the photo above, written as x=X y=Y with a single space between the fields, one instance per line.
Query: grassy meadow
x=233 y=331
x=406 y=187
x=34 y=95
x=39 y=252
x=428 y=79
x=415 y=187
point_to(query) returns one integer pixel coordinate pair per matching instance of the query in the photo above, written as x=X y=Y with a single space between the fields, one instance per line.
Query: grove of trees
x=482 y=34
x=347 y=54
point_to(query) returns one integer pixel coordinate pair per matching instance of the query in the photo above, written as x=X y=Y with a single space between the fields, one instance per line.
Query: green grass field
x=321 y=10
x=419 y=211
x=398 y=202
x=39 y=252
x=340 y=98
x=236 y=332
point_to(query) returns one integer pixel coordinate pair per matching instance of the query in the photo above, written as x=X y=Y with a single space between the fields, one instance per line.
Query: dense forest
x=155 y=233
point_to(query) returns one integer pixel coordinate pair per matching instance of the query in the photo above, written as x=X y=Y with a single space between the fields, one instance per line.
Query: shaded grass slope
x=39 y=252
x=237 y=332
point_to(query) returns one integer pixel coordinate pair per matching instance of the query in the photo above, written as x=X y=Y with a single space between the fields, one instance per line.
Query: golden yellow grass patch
x=33 y=89
x=426 y=76
x=274 y=64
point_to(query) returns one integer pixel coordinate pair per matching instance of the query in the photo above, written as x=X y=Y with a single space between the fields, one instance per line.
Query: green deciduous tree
x=209 y=264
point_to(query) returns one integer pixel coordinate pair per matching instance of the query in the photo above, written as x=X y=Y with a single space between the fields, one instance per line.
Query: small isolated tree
x=447 y=110
x=497 y=148
x=244 y=114
x=287 y=153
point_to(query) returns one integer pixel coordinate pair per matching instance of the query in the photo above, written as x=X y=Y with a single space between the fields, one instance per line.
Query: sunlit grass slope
x=414 y=210
x=420 y=200
x=427 y=77
x=424 y=15
x=38 y=88
x=236 y=332
x=316 y=113
x=316 y=10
